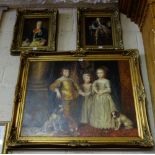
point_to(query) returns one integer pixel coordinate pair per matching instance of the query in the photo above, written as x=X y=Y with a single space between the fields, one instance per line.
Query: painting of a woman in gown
x=38 y=37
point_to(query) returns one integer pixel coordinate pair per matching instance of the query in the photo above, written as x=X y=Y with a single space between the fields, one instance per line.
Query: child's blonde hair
x=87 y=74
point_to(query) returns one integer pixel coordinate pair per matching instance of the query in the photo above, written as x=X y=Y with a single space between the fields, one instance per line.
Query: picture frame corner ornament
x=24 y=54
x=134 y=53
x=12 y=139
x=80 y=52
x=147 y=140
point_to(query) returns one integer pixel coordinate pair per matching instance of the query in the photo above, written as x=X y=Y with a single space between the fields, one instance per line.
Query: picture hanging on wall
x=69 y=101
x=99 y=29
x=35 y=30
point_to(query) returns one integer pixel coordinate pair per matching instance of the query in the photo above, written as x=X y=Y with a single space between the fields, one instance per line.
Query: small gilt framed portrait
x=67 y=102
x=35 y=30
x=99 y=30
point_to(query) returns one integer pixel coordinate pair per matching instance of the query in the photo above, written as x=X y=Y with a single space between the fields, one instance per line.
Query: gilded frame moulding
x=106 y=26
x=15 y=139
x=35 y=30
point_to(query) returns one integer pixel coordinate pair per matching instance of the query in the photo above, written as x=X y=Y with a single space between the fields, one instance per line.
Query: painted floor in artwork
x=83 y=131
x=88 y=131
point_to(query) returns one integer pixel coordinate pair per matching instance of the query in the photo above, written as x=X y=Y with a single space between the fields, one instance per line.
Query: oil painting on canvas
x=98 y=31
x=91 y=100
x=79 y=98
x=35 y=32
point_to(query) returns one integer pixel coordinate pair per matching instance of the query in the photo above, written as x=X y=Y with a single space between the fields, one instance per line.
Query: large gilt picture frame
x=99 y=29
x=79 y=100
x=34 y=30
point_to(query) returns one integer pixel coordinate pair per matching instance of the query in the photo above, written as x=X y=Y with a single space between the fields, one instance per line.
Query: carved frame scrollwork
x=144 y=139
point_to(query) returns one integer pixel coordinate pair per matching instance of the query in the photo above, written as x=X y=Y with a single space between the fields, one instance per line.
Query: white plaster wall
x=9 y=65
x=132 y=39
x=67 y=29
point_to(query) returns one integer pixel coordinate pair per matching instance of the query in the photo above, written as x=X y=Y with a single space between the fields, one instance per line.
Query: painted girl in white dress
x=103 y=104
x=86 y=92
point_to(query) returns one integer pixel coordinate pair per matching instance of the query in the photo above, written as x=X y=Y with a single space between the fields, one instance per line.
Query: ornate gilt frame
x=50 y=14
x=13 y=140
x=113 y=13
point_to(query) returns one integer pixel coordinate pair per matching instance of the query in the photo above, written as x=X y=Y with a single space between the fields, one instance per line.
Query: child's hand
x=58 y=94
x=81 y=93
x=87 y=94
x=100 y=92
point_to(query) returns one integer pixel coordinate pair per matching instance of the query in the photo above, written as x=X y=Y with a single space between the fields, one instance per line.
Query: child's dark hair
x=64 y=68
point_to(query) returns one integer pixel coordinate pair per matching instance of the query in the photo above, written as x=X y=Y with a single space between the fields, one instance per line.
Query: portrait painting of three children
x=82 y=99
